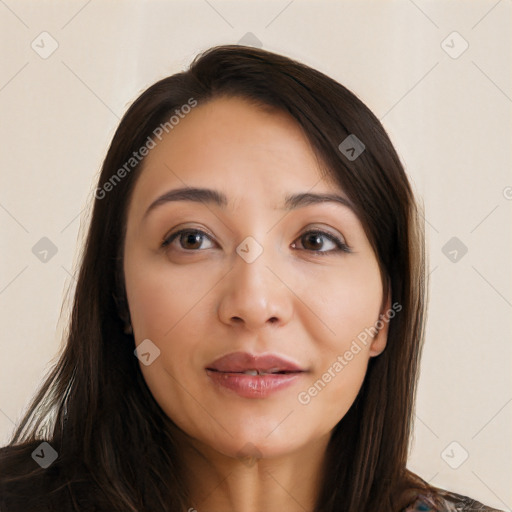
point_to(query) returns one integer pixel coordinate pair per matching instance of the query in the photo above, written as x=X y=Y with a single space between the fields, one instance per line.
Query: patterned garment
x=452 y=502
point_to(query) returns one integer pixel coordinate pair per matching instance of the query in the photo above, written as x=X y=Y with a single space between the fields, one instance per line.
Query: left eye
x=315 y=237
x=193 y=238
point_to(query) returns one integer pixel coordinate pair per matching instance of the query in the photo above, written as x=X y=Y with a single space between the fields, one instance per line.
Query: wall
x=437 y=74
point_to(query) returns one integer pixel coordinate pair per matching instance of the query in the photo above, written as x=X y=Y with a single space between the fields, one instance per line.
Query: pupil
x=316 y=238
x=193 y=238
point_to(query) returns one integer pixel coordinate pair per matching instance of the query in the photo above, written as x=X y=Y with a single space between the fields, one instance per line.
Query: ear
x=382 y=324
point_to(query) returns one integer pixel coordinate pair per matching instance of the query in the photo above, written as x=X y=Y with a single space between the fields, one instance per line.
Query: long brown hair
x=100 y=417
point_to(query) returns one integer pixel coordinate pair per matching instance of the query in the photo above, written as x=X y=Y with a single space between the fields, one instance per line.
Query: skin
x=199 y=301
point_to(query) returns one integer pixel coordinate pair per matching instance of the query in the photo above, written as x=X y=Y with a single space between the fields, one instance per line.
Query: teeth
x=258 y=372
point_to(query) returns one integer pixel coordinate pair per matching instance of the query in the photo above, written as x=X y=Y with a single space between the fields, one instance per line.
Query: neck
x=221 y=483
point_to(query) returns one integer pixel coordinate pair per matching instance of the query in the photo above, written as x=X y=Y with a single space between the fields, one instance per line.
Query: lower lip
x=254 y=386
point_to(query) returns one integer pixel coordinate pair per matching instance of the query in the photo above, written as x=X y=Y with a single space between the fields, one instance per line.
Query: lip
x=253 y=386
x=227 y=372
x=237 y=362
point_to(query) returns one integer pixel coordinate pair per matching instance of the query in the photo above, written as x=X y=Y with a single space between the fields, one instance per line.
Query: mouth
x=253 y=383
x=252 y=364
x=254 y=375
x=258 y=372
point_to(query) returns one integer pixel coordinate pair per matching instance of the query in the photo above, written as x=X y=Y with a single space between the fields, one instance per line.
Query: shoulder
x=449 y=502
x=29 y=486
x=20 y=480
x=24 y=483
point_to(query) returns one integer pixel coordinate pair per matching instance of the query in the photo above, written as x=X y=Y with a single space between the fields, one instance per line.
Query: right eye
x=189 y=239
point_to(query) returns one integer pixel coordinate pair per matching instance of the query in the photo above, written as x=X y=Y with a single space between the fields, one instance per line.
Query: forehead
x=232 y=145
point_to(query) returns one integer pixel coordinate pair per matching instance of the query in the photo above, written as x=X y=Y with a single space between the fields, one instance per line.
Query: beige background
x=447 y=112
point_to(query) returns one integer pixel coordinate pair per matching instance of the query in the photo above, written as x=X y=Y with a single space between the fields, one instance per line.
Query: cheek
x=347 y=302
x=166 y=307
x=342 y=363
x=161 y=297
x=348 y=307
x=332 y=392
x=169 y=307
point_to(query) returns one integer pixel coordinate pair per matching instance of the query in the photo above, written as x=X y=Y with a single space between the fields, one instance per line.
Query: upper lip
x=243 y=361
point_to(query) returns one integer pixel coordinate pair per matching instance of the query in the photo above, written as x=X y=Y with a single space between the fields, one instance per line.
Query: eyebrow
x=210 y=196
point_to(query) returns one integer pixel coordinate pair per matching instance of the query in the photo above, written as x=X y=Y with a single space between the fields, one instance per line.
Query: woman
x=248 y=370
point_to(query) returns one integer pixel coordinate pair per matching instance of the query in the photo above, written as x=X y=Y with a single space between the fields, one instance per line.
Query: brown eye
x=314 y=241
x=189 y=239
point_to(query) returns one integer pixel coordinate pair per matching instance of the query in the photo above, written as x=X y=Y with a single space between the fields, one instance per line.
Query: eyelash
x=341 y=246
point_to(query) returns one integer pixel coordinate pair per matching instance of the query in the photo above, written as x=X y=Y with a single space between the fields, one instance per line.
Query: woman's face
x=252 y=275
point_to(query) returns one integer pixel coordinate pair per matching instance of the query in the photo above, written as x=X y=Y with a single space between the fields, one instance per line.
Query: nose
x=255 y=294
